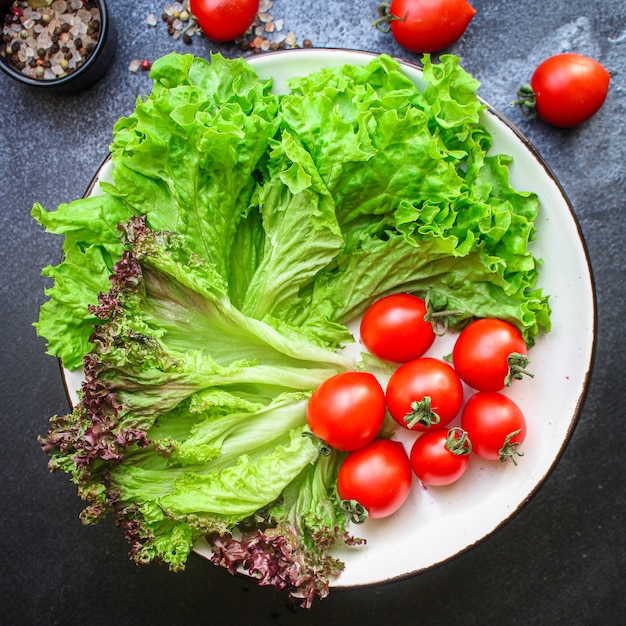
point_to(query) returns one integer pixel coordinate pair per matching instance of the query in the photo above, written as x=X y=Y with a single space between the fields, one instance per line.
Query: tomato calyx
x=517 y=368
x=383 y=23
x=421 y=413
x=457 y=442
x=358 y=513
x=439 y=318
x=526 y=101
x=511 y=450
x=322 y=447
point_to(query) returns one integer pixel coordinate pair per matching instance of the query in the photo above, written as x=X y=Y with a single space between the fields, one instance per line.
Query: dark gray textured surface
x=561 y=560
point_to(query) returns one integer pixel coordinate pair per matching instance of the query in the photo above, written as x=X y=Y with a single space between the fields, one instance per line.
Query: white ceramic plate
x=437 y=524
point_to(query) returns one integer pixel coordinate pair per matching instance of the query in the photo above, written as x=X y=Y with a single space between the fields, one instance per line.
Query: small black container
x=86 y=75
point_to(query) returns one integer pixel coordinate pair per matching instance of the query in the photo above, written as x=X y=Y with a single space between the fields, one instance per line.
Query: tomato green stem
x=510 y=450
x=526 y=101
x=517 y=368
x=322 y=447
x=458 y=442
x=358 y=513
x=421 y=413
x=383 y=22
x=439 y=320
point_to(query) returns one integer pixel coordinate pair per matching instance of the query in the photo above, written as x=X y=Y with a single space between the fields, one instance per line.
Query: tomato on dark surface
x=394 y=329
x=347 y=410
x=224 y=20
x=424 y=393
x=426 y=25
x=440 y=457
x=495 y=425
x=489 y=354
x=376 y=478
x=565 y=90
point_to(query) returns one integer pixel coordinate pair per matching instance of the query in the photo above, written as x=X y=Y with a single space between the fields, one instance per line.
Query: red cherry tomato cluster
x=424 y=395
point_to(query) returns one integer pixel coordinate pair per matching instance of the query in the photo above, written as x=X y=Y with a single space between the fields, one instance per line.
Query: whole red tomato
x=489 y=354
x=394 y=329
x=224 y=20
x=495 y=425
x=440 y=457
x=347 y=410
x=427 y=25
x=424 y=393
x=377 y=478
x=565 y=90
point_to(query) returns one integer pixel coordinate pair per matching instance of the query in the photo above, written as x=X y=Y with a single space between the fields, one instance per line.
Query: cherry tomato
x=427 y=25
x=424 y=393
x=375 y=481
x=489 y=354
x=495 y=425
x=565 y=90
x=394 y=329
x=440 y=457
x=224 y=20
x=347 y=410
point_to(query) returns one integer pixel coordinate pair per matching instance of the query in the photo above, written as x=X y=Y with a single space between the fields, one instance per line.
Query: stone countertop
x=560 y=560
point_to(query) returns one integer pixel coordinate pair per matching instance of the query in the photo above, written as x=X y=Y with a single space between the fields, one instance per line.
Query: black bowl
x=84 y=76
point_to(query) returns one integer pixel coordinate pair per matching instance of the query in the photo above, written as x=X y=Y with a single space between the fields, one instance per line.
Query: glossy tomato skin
x=347 y=410
x=419 y=379
x=224 y=20
x=436 y=464
x=490 y=419
x=393 y=328
x=377 y=476
x=569 y=88
x=481 y=353
x=429 y=25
